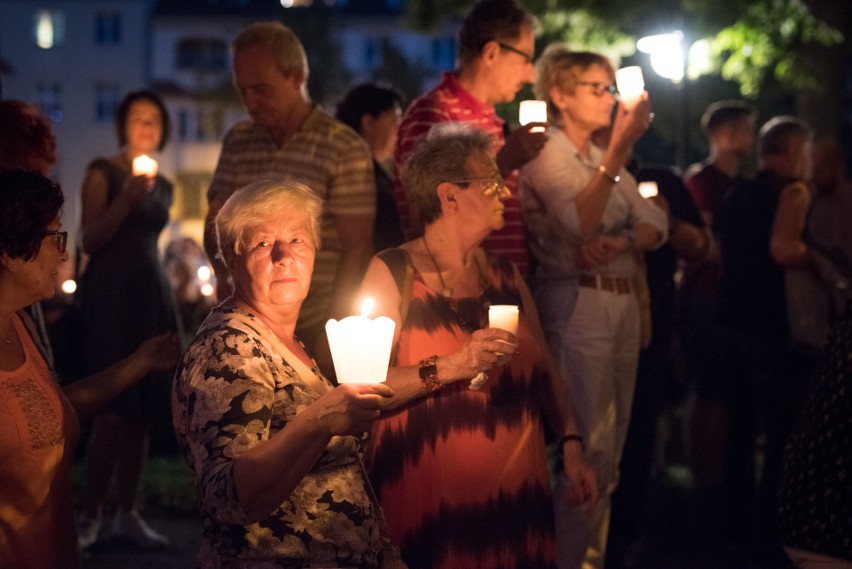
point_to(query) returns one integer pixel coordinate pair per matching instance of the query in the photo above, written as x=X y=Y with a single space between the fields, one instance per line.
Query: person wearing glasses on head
x=39 y=421
x=462 y=473
x=587 y=224
x=496 y=46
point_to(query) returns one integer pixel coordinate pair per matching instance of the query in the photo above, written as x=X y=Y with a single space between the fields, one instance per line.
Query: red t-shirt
x=450 y=102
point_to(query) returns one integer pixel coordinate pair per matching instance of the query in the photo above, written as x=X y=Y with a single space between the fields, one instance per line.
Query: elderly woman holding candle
x=587 y=224
x=273 y=446
x=125 y=297
x=462 y=473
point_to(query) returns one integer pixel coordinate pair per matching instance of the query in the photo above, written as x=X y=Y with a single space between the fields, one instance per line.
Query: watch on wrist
x=570 y=438
x=429 y=374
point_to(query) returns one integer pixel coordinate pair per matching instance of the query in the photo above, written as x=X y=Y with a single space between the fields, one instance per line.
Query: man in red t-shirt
x=495 y=55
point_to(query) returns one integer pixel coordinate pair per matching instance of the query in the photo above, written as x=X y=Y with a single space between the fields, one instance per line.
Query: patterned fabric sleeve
x=230 y=397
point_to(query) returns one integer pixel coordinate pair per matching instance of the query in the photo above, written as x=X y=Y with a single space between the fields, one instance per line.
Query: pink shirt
x=450 y=102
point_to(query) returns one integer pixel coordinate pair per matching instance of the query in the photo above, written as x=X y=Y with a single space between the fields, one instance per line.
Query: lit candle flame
x=367 y=306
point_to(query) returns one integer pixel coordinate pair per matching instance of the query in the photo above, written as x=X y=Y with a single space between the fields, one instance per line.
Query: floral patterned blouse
x=233 y=391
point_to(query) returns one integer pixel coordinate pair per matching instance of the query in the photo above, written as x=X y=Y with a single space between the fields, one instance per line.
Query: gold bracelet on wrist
x=429 y=374
x=614 y=179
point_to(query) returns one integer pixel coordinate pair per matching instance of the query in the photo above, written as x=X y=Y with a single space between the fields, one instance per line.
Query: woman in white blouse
x=587 y=224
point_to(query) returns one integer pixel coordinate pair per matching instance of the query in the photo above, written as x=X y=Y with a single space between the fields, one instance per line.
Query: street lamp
x=669 y=61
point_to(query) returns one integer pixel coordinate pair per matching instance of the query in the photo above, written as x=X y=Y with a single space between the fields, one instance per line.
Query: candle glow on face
x=630 y=83
x=144 y=166
x=361 y=346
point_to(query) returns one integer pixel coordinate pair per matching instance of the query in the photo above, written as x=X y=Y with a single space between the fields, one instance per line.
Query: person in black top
x=373 y=111
x=761 y=227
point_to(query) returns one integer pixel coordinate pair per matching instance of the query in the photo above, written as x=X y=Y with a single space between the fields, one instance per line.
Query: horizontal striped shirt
x=327 y=156
x=450 y=102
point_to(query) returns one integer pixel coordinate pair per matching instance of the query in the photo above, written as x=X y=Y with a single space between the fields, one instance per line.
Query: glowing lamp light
x=532 y=111
x=204 y=273
x=648 y=189
x=666 y=51
x=631 y=84
x=207 y=289
x=69 y=286
x=361 y=346
x=144 y=166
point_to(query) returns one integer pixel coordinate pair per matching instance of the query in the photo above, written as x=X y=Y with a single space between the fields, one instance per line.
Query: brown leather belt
x=617 y=285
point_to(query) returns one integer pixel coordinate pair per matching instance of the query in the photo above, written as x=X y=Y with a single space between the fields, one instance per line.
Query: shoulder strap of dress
x=306 y=373
x=402 y=269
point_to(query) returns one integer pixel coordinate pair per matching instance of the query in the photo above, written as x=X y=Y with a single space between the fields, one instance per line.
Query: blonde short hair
x=560 y=67
x=259 y=202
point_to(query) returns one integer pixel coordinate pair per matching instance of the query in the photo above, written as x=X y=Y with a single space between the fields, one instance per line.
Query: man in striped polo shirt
x=495 y=56
x=289 y=137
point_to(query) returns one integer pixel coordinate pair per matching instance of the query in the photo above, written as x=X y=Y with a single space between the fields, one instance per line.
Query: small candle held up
x=360 y=346
x=648 y=189
x=532 y=111
x=144 y=166
x=505 y=317
x=630 y=83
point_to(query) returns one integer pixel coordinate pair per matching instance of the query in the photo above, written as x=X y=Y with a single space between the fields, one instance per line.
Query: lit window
x=49 y=100
x=107 y=28
x=49 y=28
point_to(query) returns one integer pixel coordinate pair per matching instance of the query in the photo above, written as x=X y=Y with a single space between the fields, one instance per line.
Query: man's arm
x=786 y=246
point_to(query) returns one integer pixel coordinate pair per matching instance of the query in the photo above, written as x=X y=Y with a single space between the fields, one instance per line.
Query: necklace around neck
x=446 y=292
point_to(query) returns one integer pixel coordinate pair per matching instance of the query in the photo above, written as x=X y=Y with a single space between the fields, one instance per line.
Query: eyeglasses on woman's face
x=491 y=186
x=599 y=88
x=61 y=239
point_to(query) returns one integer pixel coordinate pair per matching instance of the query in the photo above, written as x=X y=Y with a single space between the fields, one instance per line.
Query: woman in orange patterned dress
x=462 y=473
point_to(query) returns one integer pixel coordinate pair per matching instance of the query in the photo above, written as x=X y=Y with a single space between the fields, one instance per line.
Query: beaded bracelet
x=429 y=374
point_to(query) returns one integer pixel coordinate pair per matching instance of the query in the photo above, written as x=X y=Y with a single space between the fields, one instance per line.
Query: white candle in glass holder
x=532 y=111
x=630 y=83
x=648 y=189
x=144 y=166
x=361 y=346
x=503 y=316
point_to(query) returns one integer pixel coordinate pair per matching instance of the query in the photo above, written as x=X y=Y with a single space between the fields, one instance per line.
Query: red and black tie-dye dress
x=462 y=475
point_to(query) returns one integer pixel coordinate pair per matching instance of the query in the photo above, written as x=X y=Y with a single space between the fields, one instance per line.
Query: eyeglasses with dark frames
x=528 y=57
x=493 y=184
x=598 y=88
x=61 y=238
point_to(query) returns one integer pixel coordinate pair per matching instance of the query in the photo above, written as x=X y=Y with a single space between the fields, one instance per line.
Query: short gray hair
x=285 y=46
x=257 y=203
x=440 y=157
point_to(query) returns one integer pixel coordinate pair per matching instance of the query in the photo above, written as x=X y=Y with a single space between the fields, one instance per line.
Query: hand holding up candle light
x=144 y=166
x=532 y=111
x=360 y=346
x=631 y=84
x=504 y=317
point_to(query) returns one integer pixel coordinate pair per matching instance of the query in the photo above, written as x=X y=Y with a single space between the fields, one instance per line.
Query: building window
x=202 y=54
x=49 y=28
x=49 y=100
x=106 y=100
x=107 y=28
x=372 y=53
x=182 y=124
